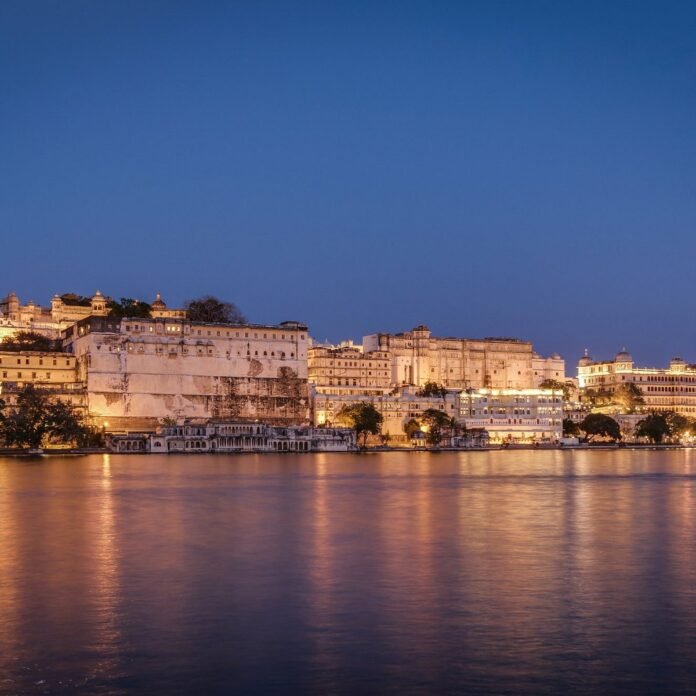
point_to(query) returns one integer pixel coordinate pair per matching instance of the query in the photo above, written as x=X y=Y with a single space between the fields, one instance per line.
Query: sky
x=486 y=168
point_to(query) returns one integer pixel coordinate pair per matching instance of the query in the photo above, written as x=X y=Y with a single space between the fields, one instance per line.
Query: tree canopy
x=36 y=420
x=570 y=428
x=212 y=310
x=628 y=398
x=432 y=389
x=29 y=340
x=437 y=424
x=654 y=427
x=411 y=426
x=364 y=418
x=598 y=424
x=128 y=307
x=557 y=385
x=74 y=300
x=661 y=426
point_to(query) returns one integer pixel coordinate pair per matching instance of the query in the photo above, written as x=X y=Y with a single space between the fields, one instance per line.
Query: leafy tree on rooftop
x=29 y=340
x=128 y=307
x=432 y=389
x=628 y=398
x=557 y=385
x=74 y=300
x=211 y=309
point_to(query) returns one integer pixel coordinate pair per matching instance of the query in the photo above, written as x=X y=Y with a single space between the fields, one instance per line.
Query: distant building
x=140 y=371
x=15 y=317
x=396 y=408
x=514 y=415
x=348 y=370
x=418 y=357
x=55 y=373
x=664 y=389
x=194 y=437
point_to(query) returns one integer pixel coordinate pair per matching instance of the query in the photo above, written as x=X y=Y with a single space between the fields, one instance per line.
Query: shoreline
x=76 y=452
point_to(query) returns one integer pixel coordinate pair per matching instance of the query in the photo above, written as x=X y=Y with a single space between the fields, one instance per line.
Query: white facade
x=664 y=389
x=462 y=363
x=139 y=371
x=514 y=415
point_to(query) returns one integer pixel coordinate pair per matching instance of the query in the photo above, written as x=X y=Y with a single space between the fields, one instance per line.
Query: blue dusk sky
x=487 y=168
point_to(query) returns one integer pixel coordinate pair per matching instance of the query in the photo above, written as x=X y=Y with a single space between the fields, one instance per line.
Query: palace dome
x=585 y=359
x=623 y=356
x=158 y=303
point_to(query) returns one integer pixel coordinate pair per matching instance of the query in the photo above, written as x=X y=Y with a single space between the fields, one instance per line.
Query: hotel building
x=664 y=389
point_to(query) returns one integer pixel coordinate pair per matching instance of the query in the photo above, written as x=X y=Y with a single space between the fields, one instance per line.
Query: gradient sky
x=488 y=168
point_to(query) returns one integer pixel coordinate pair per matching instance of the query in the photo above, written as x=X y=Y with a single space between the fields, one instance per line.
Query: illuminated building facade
x=55 y=373
x=664 y=389
x=15 y=316
x=140 y=371
x=463 y=363
x=514 y=415
x=348 y=370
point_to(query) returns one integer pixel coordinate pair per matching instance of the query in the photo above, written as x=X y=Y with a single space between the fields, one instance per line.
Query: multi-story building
x=514 y=415
x=55 y=373
x=348 y=370
x=15 y=317
x=664 y=389
x=396 y=408
x=463 y=363
x=64 y=311
x=140 y=371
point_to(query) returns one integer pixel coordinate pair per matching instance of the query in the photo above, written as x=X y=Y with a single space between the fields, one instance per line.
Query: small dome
x=585 y=359
x=97 y=296
x=623 y=356
x=158 y=303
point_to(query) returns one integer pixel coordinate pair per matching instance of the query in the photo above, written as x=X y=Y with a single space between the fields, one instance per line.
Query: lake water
x=485 y=572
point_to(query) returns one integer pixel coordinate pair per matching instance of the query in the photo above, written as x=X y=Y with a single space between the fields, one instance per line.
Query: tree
x=29 y=340
x=364 y=418
x=210 y=309
x=73 y=300
x=437 y=423
x=628 y=397
x=410 y=427
x=678 y=425
x=596 y=398
x=128 y=307
x=432 y=389
x=599 y=424
x=557 y=385
x=570 y=428
x=35 y=419
x=654 y=427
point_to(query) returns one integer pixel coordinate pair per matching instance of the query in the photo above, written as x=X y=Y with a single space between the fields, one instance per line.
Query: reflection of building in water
x=664 y=389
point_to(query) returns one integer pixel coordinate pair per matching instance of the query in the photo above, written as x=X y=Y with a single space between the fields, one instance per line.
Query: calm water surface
x=482 y=572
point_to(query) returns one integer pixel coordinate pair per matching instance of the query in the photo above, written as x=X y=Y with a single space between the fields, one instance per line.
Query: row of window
x=26 y=361
x=176 y=328
x=19 y=375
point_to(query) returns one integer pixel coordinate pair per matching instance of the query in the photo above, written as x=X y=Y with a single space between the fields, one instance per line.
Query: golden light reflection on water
x=422 y=567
